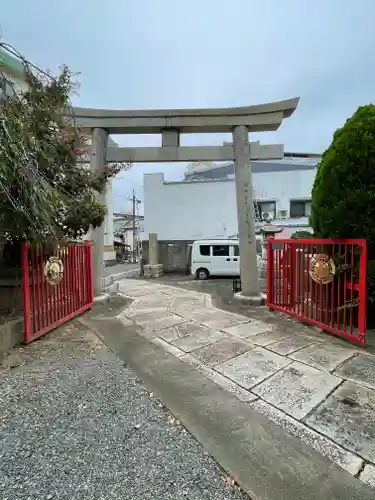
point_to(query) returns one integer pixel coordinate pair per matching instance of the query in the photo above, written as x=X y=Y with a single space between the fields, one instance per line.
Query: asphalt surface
x=121 y=268
x=75 y=423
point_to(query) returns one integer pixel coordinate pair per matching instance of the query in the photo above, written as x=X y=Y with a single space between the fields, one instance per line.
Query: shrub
x=44 y=190
x=301 y=235
x=343 y=195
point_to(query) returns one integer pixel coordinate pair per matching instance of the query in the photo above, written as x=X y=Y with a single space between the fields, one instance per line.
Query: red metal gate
x=55 y=289
x=320 y=281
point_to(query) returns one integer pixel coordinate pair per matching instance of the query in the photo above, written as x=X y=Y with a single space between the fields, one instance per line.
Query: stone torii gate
x=170 y=123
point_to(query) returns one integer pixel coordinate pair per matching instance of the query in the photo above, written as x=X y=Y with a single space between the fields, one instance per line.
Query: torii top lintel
x=258 y=118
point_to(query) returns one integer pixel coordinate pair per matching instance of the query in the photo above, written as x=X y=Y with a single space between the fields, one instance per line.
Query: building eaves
x=11 y=63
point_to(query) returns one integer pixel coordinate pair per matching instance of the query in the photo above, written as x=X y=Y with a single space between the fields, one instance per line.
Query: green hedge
x=301 y=235
x=343 y=195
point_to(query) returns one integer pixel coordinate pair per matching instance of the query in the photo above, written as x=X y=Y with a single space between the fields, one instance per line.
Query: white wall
x=283 y=186
x=188 y=211
x=18 y=83
x=129 y=240
x=195 y=210
x=109 y=253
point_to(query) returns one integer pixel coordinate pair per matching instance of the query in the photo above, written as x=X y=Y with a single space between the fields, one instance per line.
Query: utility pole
x=134 y=229
x=135 y=201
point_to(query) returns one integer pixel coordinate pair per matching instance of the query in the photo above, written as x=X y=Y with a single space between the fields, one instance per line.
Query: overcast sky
x=206 y=53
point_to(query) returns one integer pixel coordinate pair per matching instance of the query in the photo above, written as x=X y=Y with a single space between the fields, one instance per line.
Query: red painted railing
x=336 y=303
x=50 y=301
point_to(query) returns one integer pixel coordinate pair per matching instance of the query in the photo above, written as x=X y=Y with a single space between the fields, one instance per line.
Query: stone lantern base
x=153 y=271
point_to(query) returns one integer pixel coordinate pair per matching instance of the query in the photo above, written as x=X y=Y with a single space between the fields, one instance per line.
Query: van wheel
x=202 y=274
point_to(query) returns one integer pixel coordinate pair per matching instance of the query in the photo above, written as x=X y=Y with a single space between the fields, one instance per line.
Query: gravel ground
x=75 y=423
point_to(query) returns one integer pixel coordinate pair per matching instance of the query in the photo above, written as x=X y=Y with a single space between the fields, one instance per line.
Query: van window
x=220 y=250
x=236 y=251
x=204 y=249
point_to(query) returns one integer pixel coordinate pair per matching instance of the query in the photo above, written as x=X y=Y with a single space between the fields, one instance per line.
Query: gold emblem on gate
x=322 y=269
x=54 y=270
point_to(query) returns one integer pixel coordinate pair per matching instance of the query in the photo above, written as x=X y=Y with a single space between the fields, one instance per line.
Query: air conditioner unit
x=283 y=214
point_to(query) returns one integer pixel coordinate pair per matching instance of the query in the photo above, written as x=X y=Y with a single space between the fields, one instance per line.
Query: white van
x=216 y=258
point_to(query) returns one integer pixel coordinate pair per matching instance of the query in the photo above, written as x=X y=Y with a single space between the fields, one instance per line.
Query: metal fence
x=320 y=281
x=55 y=289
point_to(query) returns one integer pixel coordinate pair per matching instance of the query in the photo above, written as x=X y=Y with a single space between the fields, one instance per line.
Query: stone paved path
x=319 y=388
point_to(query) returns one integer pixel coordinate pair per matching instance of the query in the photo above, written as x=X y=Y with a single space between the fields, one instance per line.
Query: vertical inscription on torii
x=247 y=211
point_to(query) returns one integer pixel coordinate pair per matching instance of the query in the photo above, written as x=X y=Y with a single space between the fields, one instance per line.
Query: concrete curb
x=99 y=299
x=110 y=280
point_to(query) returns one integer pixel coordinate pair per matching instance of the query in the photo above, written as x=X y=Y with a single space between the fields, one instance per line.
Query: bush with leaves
x=302 y=234
x=44 y=192
x=343 y=195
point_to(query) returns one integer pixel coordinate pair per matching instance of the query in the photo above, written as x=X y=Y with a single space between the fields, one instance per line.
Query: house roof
x=13 y=64
x=227 y=169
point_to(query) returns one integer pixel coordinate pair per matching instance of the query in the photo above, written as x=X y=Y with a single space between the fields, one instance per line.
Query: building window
x=220 y=250
x=265 y=209
x=204 y=250
x=300 y=208
x=236 y=249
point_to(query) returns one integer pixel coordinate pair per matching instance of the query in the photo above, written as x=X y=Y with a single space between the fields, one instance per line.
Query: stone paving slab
x=201 y=315
x=368 y=475
x=190 y=313
x=348 y=417
x=162 y=323
x=221 y=351
x=268 y=337
x=181 y=330
x=143 y=318
x=360 y=369
x=151 y=301
x=220 y=380
x=187 y=308
x=324 y=357
x=348 y=461
x=199 y=339
x=188 y=301
x=140 y=312
x=222 y=320
x=297 y=389
x=252 y=367
x=248 y=328
x=290 y=344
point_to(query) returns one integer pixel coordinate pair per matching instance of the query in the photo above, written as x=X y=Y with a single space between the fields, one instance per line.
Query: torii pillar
x=245 y=214
x=97 y=165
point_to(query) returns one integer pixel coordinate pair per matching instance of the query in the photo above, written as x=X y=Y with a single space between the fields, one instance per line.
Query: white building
x=126 y=234
x=109 y=251
x=203 y=205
